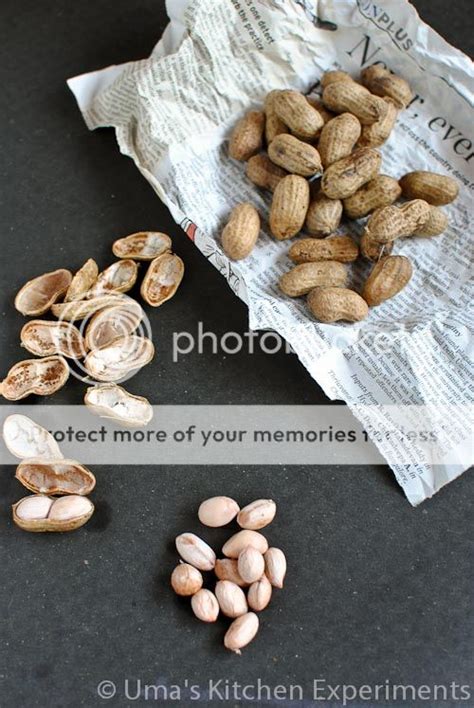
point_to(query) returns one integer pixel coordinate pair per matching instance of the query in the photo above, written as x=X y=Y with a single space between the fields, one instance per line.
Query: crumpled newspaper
x=173 y=113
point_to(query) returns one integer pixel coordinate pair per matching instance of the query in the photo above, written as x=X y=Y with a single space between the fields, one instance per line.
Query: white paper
x=173 y=114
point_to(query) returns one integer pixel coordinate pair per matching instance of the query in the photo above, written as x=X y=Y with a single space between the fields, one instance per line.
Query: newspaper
x=173 y=113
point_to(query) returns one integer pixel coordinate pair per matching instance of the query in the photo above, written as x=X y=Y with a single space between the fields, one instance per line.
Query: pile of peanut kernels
x=335 y=137
x=248 y=564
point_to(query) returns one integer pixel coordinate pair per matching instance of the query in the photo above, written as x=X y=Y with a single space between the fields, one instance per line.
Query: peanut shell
x=38 y=295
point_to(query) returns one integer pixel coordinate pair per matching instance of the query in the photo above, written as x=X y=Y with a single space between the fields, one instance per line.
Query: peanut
x=295 y=112
x=436 y=223
x=142 y=246
x=434 y=188
x=241 y=632
x=240 y=540
x=82 y=281
x=257 y=514
x=55 y=476
x=331 y=77
x=377 y=133
x=321 y=108
x=294 y=155
x=324 y=215
x=240 y=234
x=372 y=250
x=217 y=511
x=350 y=97
x=275 y=566
x=162 y=279
x=250 y=565
x=346 y=176
x=382 y=82
x=259 y=594
x=338 y=138
x=263 y=172
x=289 y=207
x=334 y=304
x=336 y=248
x=227 y=569
x=205 y=606
x=38 y=295
x=391 y=222
x=40 y=513
x=301 y=279
x=195 y=551
x=231 y=599
x=387 y=278
x=273 y=124
x=186 y=580
x=42 y=377
x=380 y=191
x=247 y=137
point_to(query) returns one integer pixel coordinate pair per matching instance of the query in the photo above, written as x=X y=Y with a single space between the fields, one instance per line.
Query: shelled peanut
x=246 y=575
x=321 y=165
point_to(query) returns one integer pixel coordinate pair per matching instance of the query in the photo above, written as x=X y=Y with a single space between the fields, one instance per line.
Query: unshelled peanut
x=294 y=155
x=382 y=82
x=346 y=176
x=379 y=192
x=338 y=138
x=301 y=279
x=247 y=137
x=387 y=278
x=324 y=215
x=295 y=112
x=391 y=222
x=334 y=304
x=263 y=172
x=434 y=188
x=336 y=248
x=289 y=207
x=350 y=97
x=240 y=234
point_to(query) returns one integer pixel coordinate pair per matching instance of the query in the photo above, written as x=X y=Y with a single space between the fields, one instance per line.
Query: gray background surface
x=376 y=590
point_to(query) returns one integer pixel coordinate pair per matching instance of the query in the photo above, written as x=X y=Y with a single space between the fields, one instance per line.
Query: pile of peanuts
x=320 y=164
x=249 y=564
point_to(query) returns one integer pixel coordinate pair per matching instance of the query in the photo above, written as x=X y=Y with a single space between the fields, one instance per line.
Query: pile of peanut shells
x=108 y=343
x=320 y=164
x=249 y=565
x=60 y=487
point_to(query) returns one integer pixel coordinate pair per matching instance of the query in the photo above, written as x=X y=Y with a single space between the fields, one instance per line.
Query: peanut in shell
x=346 y=176
x=295 y=112
x=387 y=278
x=263 y=172
x=378 y=192
x=335 y=304
x=295 y=156
x=301 y=279
x=324 y=215
x=382 y=82
x=335 y=248
x=338 y=138
x=240 y=234
x=434 y=188
x=247 y=137
x=289 y=207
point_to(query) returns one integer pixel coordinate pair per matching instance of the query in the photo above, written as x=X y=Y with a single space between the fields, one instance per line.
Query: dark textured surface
x=376 y=590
